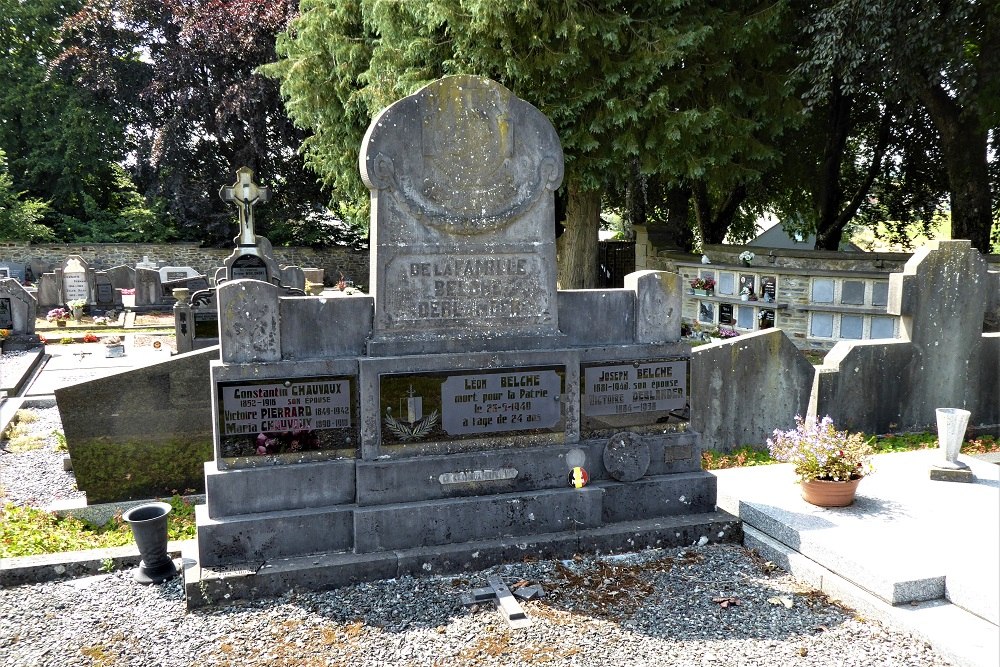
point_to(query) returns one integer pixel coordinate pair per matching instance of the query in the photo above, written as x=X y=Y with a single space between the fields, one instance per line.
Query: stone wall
x=811 y=325
x=44 y=257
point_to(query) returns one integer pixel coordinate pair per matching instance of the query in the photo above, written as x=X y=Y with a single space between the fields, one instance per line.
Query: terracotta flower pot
x=824 y=493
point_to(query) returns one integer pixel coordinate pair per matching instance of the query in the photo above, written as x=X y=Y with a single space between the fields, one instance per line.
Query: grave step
x=281 y=534
x=207 y=586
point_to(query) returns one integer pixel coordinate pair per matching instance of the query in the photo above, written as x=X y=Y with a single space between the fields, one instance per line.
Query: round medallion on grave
x=625 y=459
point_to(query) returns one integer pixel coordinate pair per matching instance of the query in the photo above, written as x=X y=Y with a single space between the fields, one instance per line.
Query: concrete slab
x=80 y=362
x=906 y=538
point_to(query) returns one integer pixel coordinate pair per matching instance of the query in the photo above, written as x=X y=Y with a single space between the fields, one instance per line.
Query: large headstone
x=447 y=422
x=104 y=291
x=462 y=175
x=171 y=273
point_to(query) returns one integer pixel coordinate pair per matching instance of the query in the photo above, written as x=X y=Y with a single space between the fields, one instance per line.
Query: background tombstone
x=48 y=291
x=463 y=207
x=121 y=277
x=148 y=290
x=77 y=280
x=18 y=310
x=941 y=360
x=104 y=291
x=13 y=270
x=293 y=276
x=171 y=273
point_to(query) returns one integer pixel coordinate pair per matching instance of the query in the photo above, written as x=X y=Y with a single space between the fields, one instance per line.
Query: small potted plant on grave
x=58 y=315
x=829 y=463
x=76 y=306
x=746 y=257
x=703 y=286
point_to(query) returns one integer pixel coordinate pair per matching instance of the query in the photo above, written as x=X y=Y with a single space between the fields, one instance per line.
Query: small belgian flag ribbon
x=578 y=478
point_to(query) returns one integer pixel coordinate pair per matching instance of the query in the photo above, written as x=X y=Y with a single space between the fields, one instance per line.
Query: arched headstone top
x=463 y=155
x=463 y=175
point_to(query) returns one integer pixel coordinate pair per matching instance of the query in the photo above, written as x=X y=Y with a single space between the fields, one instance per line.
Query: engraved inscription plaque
x=6 y=314
x=249 y=266
x=291 y=419
x=633 y=394
x=499 y=402
x=443 y=406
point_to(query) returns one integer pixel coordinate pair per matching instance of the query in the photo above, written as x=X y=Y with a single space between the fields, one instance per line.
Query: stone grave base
x=206 y=586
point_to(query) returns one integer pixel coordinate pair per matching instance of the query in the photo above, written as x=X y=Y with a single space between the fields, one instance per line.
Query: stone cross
x=245 y=194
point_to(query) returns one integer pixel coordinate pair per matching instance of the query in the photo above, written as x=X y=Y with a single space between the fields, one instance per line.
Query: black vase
x=149 y=528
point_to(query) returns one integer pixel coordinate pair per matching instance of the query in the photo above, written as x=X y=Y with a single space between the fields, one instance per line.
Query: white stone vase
x=951 y=424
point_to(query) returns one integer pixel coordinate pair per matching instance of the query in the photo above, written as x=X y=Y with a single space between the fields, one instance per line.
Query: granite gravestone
x=440 y=429
x=18 y=310
x=462 y=246
x=148 y=289
x=14 y=270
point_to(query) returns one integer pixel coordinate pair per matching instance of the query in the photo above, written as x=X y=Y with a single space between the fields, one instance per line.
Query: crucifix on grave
x=245 y=194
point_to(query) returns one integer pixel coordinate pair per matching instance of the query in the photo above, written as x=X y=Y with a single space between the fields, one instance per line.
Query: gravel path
x=655 y=608
x=36 y=478
x=712 y=605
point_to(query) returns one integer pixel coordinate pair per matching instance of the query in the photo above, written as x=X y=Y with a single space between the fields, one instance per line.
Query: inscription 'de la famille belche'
x=467 y=288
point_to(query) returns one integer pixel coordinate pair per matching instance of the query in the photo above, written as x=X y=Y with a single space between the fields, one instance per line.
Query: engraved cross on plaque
x=245 y=194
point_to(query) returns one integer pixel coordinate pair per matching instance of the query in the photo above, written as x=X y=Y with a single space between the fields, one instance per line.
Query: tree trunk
x=964 y=149
x=829 y=192
x=577 y=247
x=714 y=224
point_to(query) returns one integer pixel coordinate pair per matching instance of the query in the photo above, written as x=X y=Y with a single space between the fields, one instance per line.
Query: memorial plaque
x=747 y=283
x=455 y=406
x=249 y=266
x=639 y=393
x=206 y=324
x=6 y=314
x=768 y=288
x=176 y=275
x=300 y=419
x=75 y=286
x=105 y=294
x=766 y=318
x=726 y=313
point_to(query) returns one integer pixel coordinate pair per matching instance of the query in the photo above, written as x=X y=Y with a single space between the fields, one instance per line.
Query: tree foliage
x=19 y=217
x=688 y=95
x=941 y=55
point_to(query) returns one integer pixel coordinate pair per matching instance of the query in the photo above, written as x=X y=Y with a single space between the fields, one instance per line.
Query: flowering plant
x=127 y=292
x=57 y=314
x=746 y=256
x=4 y=333
x=703 y=283
x=727 y=332
x=90 y=337
x=819 y=451
x=101 y=321
x=77 y=303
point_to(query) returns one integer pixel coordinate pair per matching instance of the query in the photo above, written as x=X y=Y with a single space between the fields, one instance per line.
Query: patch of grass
x=26 y=531
x=742 y=457
x=25 y=417
x=21 y=438
x=905 y=442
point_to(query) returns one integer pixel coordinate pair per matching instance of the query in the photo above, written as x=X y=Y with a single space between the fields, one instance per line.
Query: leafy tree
x=198 y=110
x=19 y=217
x=942 y=55
x=645 y=85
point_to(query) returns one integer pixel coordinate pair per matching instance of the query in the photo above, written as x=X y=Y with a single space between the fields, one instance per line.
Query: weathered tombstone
x=121 y=277
x=104 y=291
x=314 y=275
x=293 y=276
x=48 y=291
x=77 y=280
x=942 y=359
x=171 y=273
x=17 y=315
x=148 y=290
x=460 y=435
x=14 y=270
